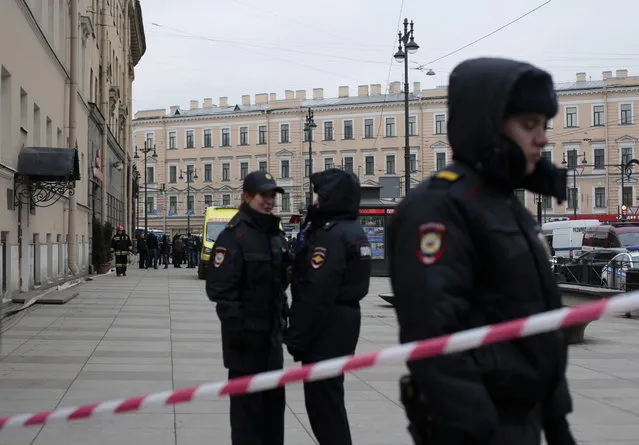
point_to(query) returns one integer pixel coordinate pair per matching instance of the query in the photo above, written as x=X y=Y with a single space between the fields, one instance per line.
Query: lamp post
x=407 y=46
x=145 y=150
x=136 y=195
x=191 y=174
x=309 y=125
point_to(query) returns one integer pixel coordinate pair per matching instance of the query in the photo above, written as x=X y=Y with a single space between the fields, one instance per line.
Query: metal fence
x=608 y=274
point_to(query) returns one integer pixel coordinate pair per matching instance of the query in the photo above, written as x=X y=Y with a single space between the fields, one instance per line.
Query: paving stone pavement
x=155 y=330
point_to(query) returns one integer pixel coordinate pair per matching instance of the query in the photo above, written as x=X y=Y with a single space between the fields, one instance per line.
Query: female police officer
x=247 y=278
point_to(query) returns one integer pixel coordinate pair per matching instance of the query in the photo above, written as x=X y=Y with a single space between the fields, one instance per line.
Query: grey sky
x=213 y=48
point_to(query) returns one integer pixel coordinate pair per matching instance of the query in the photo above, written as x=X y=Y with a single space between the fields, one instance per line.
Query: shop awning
x=49 y=164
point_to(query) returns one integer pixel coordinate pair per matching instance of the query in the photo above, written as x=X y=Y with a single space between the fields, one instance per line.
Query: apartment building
x=63 y=135
x=592 y=134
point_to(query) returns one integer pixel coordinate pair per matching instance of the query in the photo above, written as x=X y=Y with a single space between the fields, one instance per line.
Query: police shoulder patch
x=220 y=255
x=432 y=242
x=447 y=175
x=318 y=257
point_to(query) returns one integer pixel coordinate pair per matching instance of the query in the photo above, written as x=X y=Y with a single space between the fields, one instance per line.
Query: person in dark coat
x=121 y=245
x=143 y=252
x=165 y=250
x=247 y=278
x=331 y=274
x=178 y=252
x=152 y=245
x=465 y=253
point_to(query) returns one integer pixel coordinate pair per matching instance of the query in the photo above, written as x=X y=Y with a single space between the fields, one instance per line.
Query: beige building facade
x=364 y=132
x=47 y=102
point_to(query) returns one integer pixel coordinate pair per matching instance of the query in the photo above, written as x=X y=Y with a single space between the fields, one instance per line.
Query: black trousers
x=257 y=418
x=144 y=258
x=120 y=264
x=524 y=431
x=327 y=412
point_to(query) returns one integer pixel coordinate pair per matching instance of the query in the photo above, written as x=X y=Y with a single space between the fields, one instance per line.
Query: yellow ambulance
x=215 y=219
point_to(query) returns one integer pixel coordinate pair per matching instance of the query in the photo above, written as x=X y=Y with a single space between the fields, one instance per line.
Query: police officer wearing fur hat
x=466 y=253
x=248 y=275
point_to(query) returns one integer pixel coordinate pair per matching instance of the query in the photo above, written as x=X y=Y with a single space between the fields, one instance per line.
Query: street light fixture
x=309 y=125
x=191 y=174
x=145 y=150
x=409 y=47
x=574 y=180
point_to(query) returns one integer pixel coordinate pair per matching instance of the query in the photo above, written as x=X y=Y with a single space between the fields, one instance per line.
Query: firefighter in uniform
x=121 y=245
x=247 y=278
x=466 y=253
x=331 y=274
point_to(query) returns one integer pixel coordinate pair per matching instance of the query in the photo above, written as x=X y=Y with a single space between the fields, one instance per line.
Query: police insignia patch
x=432 y=242
x=220 y=255
x=318 y=257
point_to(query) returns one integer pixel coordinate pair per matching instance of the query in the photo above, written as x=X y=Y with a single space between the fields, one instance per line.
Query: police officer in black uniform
x=248 y=275
x=465 y=253
x=331 y=274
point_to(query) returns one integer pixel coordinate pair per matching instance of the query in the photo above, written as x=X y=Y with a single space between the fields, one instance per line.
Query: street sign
x=579 y=170
x=633 y=210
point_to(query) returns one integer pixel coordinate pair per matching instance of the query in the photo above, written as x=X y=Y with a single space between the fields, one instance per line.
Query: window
x=208 y=200
x=546 y=202
x=284 y=133
x=390 y=164
x=369 y=165
x=368 y=128
x=261 y=134
x=243 y=169
x=189 y=139
x=600 y=158
x=190 y=204
x=440 y=160
x=226 y=171
x=600 y=197
x=348 y=129
x=150 y=204
x=150 y=175
x=440 y=124
x=226 y=137
x=328 y=131
x=390 y=127
x=412 y=125
x=626 y=155
x=627 y=196
x=226 y=199
x=626 y=114
x=208 y=142
x=571 y=156
x=521 y=195
x=190 y=169
x=572 y=198
x=598 y=115
x=172 y=205
x=262 y=166
x=208 y=173
x=413 y=163
x=243 y=135
x=173 y=174
x=307 y=167
x=348 y=163
x=286 y=202
x=284 y=168
x=328 y=163
x=308 y=132
x=546 y=154
x=172 y=140
x=150 y=140
x=571 y=117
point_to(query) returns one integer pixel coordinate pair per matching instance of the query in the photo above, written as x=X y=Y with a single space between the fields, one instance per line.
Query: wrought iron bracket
x=40 y=193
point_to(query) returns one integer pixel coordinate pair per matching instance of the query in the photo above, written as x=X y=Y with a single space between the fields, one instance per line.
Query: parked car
x=613 y=275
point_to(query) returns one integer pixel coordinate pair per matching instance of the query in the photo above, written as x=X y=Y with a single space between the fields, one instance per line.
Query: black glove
x=558 y=432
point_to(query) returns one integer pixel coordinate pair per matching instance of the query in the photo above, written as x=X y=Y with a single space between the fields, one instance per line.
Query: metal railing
x=608 y=274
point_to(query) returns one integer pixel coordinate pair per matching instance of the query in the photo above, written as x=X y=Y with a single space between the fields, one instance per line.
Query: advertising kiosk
x=374 y=215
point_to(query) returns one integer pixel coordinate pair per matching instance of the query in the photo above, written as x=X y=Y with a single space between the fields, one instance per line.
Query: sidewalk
x=155 y=330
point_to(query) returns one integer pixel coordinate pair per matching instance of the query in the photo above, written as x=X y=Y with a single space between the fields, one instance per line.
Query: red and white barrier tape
x=446 y=344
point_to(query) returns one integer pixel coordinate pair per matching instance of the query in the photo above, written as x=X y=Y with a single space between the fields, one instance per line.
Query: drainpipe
x=104 y=106
x=73 y=98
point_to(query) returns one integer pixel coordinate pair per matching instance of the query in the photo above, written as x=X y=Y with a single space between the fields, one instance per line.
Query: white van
x=565 y=237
